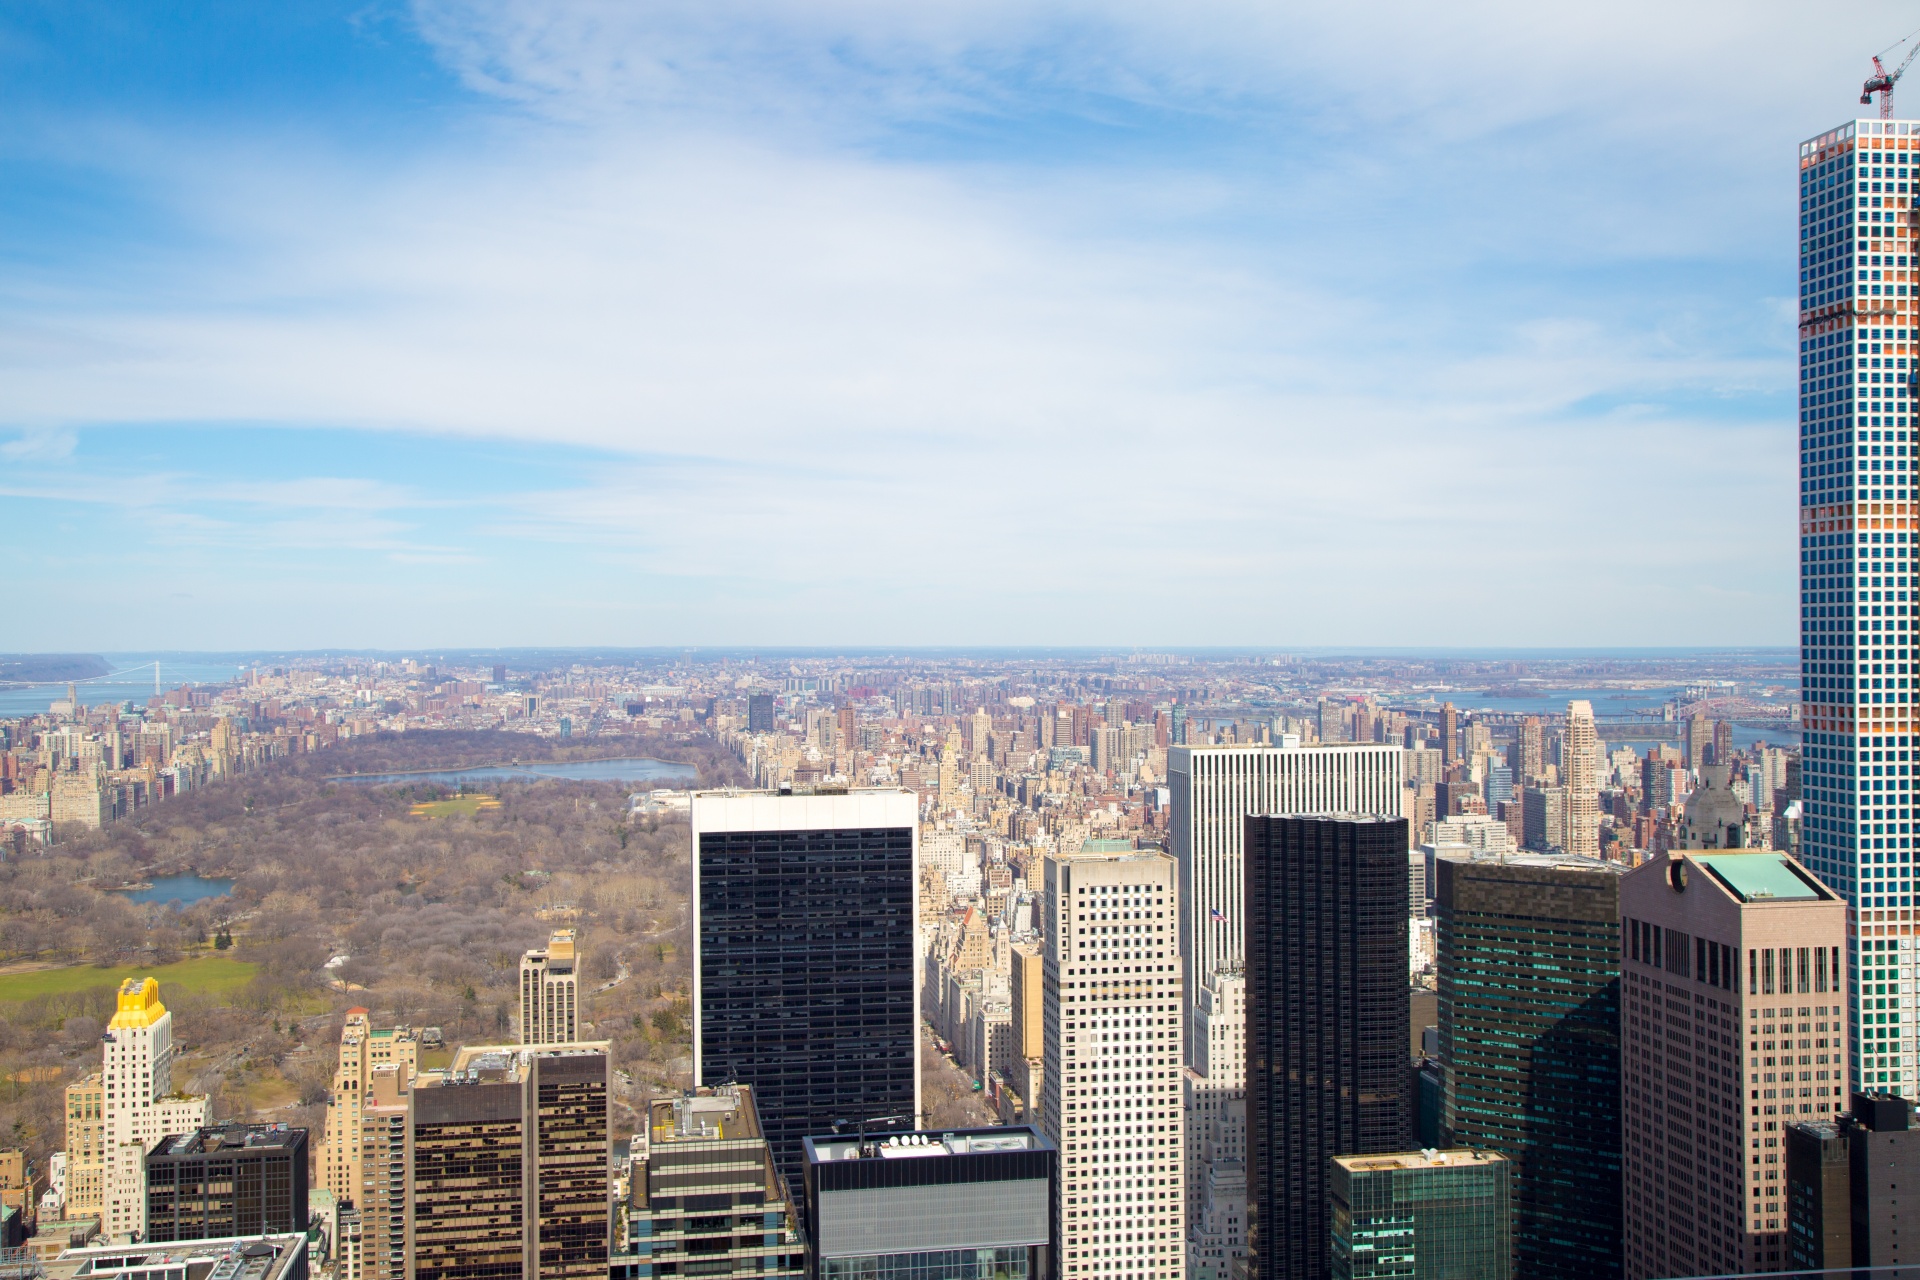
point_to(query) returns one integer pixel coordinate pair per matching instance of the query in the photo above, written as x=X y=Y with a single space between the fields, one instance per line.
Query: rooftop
x=502 y=1063
x=1428 y=1159
x=229 y=1136
x=1761 y=876
x=912 y=1146
x=727 y=1114
x=272 y=1257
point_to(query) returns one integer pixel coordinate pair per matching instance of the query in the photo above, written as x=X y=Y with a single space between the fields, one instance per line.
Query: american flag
x=1215 y=913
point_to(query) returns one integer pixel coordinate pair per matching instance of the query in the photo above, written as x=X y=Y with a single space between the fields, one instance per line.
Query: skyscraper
x=229 y=1180
x=1420 y=1213
x=141 y=1106
x=804 y=914
x=1216 y=1108
x=1529 y=1002
x=966 y=1204
x=550 y=992
x=363 y=1048
x=1845 y=1175
x=1858 y=437
x=1213 y=790
x=759 y=713
x=1327 y=1015
x=1111 y=1097
x=688 y=1151
x=1731 y=1029
x=510 y=1150
x=1580 y=759
x=1530 y=757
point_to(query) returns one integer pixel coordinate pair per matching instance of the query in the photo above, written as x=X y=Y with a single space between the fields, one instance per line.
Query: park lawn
x=203 y=973
x=457 y=806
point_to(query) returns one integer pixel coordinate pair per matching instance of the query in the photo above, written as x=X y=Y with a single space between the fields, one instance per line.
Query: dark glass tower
x=1327 y=1063
x=1529 y=968
x=804 y=981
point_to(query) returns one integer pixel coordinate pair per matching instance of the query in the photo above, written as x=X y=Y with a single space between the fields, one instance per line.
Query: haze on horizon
x=568 y=322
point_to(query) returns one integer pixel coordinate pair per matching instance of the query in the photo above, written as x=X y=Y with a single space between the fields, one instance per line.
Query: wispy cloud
x=1319 y=323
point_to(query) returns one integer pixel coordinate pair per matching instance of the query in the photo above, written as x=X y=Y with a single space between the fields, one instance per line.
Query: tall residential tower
x=1858 y=434
x=550 y=991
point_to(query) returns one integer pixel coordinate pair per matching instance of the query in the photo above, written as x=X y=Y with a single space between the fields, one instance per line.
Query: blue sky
x=503 y=322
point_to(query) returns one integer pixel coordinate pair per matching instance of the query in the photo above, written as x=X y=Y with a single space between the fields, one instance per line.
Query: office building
x=1819 y=1197
x=1212 y=792
x=1857 y=508
x=1216 y=1110
x=703 y=1195
x=759 y=713
x=1529 y=1006
x=1327 y=1017
x=227 y=1180
x=140 y=1105
x=1543 y=819
x=1420 y=1213
x=1112 y=1099
x=805 y=911
x=1723 y=951
x=363 y=1049
x=1845 y=1179
x=550 y=992
x=509 y=1168
x=972 y=1204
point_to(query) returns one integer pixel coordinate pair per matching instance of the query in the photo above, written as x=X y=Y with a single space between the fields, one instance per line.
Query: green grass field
x=203 y=973
x=461 y=806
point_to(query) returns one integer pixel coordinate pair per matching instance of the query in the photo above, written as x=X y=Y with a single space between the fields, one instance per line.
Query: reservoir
x=627 y=769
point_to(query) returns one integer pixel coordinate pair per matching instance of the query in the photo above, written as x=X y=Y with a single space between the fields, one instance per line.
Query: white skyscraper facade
x=141 y=1106
x=1858 y=432
x=1112 y=1021
x=1212 y=792
x=1216 y=1106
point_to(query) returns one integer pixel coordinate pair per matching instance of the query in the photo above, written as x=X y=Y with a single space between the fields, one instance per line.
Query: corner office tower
x=1858 y=591
x=805 y=910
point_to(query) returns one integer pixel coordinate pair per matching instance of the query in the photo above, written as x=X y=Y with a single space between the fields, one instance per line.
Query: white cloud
x=1340 y=391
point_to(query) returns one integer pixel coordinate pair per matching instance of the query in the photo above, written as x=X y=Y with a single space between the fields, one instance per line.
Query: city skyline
x=329 y=323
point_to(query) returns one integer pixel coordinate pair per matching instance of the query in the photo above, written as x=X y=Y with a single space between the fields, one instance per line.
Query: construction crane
x=1882 y=81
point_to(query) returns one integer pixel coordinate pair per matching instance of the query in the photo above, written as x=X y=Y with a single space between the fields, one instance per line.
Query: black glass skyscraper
x=1327 y=1061
x=804 y=973
x=1529 y=967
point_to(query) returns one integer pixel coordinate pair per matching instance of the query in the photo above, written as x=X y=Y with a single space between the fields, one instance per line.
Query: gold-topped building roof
x=139 y=1005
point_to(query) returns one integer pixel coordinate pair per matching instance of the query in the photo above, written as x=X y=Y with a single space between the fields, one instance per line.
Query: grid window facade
x=1859 y=536
x=1327 y=1016
x=807 y=976
x=1529 y=1005
x=943 y=1264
